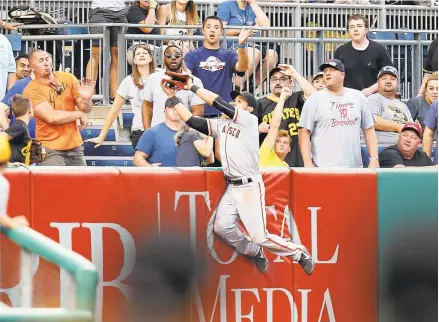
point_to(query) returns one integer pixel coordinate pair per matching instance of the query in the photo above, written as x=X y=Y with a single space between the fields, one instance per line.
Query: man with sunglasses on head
x=55 y=96
x=154 y=100
x=280 y=77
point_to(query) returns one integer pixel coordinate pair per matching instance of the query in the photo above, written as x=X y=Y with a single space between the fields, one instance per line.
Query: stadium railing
x=305 y=48
x=282 y=14
x=84 y=273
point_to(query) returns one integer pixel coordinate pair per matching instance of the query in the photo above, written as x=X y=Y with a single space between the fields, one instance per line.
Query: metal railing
x=82 y=270
x=285 y=14
x=305 y=48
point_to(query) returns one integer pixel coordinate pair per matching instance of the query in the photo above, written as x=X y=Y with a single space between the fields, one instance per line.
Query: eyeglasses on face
x=170 y=56
x=280 y=79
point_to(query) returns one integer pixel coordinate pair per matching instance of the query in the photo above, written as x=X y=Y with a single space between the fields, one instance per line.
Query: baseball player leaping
x=244 y=197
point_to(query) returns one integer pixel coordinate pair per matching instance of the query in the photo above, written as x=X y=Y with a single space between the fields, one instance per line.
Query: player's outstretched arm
x=277 y=118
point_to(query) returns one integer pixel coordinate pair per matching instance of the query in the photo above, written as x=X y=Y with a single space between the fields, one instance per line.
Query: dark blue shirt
x=431 y=122
x=233 y=15
x=158 y=143
x=18 y=88
x=215 y=68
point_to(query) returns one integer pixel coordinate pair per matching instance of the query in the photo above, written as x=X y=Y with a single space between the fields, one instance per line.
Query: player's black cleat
x=261 y=261
x=307 y=262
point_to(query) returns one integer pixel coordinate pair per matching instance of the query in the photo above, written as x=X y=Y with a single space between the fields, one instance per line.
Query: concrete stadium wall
x=343 y=217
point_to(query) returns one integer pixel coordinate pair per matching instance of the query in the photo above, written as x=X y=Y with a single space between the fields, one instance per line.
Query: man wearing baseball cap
x=281 y=77
x=405 y=152
x=331 y=121
x=391 y=114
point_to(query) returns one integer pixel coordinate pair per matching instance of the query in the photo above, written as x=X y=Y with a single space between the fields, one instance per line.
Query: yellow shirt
x=269 y=159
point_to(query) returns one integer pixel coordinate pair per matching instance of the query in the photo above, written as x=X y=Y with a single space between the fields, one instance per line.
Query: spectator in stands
x=18 y=133
x=104 y=12
x=179 y=13
x=280 y=77
x=431 y=125
x=143 y=12
x=420 y=105
x=5 y=220
x=214 y=65
x=157 y=145
x=405 y=152
x=331 y=121
x=155 y=97
x=430 y=64
x=362 y=57
x=22 y=66
x=7 y=66
x=391 y=114
x=9 y=25
x=317 y=81
x=131 y=89
x=277 y=143
x=247 y=13
x=194 y=149
x=55 y=97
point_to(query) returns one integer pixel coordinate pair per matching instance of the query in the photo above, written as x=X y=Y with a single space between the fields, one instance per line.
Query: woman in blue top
x=248 y=13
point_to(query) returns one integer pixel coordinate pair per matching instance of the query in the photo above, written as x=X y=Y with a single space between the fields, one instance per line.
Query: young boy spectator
x=363 y=58
x=18 y=133
x=215 y=66
x=405 y=152
x=317 y=81
x=431 y=125
x=391 y=114
x=280 y=77
x=156 y=146
x=5 y=220
x=22 y=66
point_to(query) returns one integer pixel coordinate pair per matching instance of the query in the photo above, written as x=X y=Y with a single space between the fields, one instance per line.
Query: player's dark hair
x=213 y=18
x=21 y=56
x=20 y=105
x=358 y=17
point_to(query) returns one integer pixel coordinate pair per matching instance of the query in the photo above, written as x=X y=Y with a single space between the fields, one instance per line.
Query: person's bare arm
x=372 y=146
x=150 y=18
x=261 y=18
x=146 y=114
x=424 y=84
x=231 y=32
x=204 y=146
x=427 y=141
x=270 y=139
x=162 y=15
x=46 y=112
x=305 y=147
x=385 y=125
x=12 y=78
x=4 y=124
x=242 y=63
x=84 y=106
x=370 y=90
x=140 y=160
x=304 y=84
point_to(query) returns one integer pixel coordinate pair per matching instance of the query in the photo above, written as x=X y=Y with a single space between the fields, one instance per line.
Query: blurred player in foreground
x=5 y=220
x=244 y=198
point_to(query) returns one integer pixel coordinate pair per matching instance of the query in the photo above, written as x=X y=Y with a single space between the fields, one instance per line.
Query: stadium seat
x=109 y=161
x=127 y=118
x=93 y=131
x=109 y=149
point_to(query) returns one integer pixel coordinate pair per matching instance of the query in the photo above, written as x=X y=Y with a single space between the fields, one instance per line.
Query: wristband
x=194 y=88
x=244 y=45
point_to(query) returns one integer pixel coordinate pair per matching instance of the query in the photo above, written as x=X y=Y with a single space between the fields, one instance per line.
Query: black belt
x=238 y=182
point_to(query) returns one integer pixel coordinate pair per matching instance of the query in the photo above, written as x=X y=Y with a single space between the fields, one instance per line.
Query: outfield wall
x=343 y=217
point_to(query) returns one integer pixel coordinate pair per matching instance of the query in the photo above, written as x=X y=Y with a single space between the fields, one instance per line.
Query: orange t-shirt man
x=61 y=95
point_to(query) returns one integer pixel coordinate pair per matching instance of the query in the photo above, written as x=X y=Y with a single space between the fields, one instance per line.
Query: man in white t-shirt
x=5 y=220
x=155 y=97
x=331 y=122
x=7 y=66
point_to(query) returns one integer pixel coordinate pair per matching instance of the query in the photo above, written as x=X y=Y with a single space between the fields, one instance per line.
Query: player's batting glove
x=177 y=81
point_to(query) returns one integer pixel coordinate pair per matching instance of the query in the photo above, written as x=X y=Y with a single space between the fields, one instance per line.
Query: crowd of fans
x=353 y=100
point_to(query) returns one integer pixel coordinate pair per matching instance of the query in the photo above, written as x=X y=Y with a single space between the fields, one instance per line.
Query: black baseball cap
x=334 y=63
x=388 y=70
x=275 y=70
x=251 y=100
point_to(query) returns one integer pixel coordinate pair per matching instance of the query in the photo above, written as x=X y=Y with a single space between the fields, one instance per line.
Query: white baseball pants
x=247 y=202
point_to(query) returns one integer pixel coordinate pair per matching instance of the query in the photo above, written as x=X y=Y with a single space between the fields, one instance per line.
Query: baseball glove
x=37 y=152
x=177 y=81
